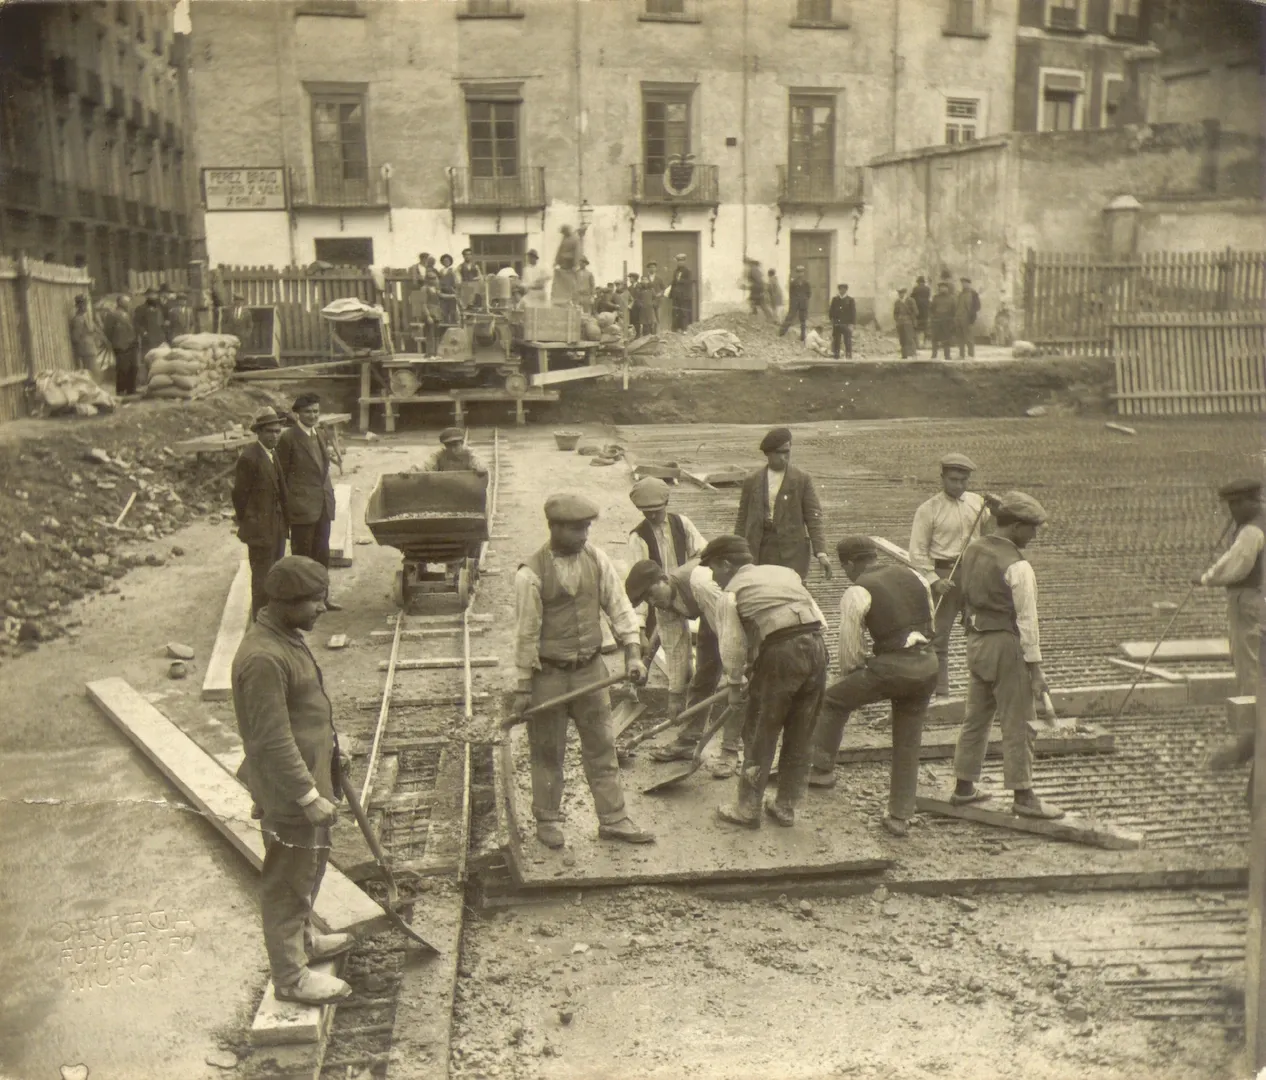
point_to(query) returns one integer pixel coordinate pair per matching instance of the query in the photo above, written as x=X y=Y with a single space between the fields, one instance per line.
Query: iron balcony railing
x=675 y=185
x=522 y=190
x=332 y=187
x=838 y=187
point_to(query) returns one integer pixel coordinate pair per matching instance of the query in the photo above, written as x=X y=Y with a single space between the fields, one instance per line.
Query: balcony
x=132 y=213
x=523 y=190
x=165 y=221
x=64 y=75
x=149 y=217
x=678 y=185
x=332 y=189
x=491 y=9
x=93 y=90
x=111 y=209
x=88 y=204
x=117 y=105
x=844 y=187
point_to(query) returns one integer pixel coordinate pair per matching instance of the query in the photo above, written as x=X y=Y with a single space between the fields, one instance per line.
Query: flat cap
x=296 y=577
x=266 y=418
x=649 y=492
x=724 y=547
x=775 y=440
x=1244 y=486
x=855 y=547
x=958 y=461
x=452 y=434
x=1022 y=507
x=643 y=575
x=567 y=508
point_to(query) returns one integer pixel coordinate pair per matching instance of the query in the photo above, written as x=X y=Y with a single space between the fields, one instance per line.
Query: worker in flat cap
x=561 y=592
x=454 y=455
x=1239 y=571
x=779 y=514
x=681 y=293
x=768 y=624
x=303 y=455
x=893 y=604
x=536 y=281
x=259 y=502
x=799 y=292
x=293 y=771
x=665 y=537
x=943 y=527
x=1004 y=656
x=966 y=310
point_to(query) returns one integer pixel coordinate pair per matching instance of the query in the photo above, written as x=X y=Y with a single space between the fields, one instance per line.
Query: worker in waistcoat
x=894 y=606
x=1004 y=657
x=561 y=592
x=665 y=538
x=943 y=527
x=769 y=624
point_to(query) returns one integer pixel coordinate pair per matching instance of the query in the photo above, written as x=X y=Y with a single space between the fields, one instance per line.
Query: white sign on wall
x=244 y=189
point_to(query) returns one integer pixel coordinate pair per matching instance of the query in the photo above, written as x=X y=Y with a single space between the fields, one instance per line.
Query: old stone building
x=95 y=130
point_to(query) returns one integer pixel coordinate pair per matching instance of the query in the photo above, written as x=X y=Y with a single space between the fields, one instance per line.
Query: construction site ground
x=131 y=931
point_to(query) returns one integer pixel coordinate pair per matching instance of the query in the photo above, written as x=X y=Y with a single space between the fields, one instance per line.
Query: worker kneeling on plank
x=766 y=614
x=894 y=604
x=1004 y=656
x=287 y=728
x=560 y=593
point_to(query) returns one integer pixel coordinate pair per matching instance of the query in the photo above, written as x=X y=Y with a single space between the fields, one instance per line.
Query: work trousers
x=295 y=857
x=796 y=313
x=906 y=679
x=784 y=698
x=125 y=370
x=1244 y=628
x=947 y=613
x=261 y=558
x=998 y=684
x=965 y=338
x=681 y=314
x=905 y=335
x=941 y=340
x=547 y=742
x=842 y=333
x=312 y=540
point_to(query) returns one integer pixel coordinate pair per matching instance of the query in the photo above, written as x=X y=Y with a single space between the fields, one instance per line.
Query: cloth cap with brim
x=451 y=435
x=643 y=575
x=1236 y=488
x=681 y=258
x=775 y=440
x=855 y=547
x=266 y=418
x=724 y=547
x=1022 y=507
x=958 y=461
x=649 y=493
x=565 y=509
x=296 y=577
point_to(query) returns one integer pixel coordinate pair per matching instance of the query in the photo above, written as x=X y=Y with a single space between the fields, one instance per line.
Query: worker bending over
x=454 y=456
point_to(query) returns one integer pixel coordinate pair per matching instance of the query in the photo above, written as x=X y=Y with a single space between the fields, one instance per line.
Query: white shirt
x=1023 y=583
x=637 y=550
x=943 y=527
x=1238 y=559
x=536 y=281
x=854 y=607
x=773 y=480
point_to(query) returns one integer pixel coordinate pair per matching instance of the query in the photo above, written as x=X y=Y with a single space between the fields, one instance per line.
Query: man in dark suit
x=843 y=314
x=779 y=514
x=259 y=503
x=682 y=294
x=303 y=458
x=798 y=293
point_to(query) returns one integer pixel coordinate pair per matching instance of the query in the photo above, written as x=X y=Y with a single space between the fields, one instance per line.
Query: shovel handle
x=685 y=714
x=562 y=699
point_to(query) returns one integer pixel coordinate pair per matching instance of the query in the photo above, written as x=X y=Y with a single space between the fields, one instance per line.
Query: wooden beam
x=1210 y=688
x=1151 y=669
x=416 y=635
x=1085 y=700
x=1241 y=713
x=1070 y=827
x=430 y=620
x=217 y=684
x=342 y=530
x=1188 y=649
x=939 y=744
x=430 y=663
x=572 y=374
x=442 y=854
x=279 y=1023
x=894 y=551
x=340 y=908
x=433 y=701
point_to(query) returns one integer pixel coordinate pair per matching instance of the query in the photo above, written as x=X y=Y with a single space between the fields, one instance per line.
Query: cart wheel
x=463 y=586
x=517 y=383
x=397 y=589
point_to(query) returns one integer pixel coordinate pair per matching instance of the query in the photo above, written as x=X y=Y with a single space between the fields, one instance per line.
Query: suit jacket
x=304 y=462
x=843 y=311
x=682 y=287
x=797 y=518
x=259 y=500
x=798 y=292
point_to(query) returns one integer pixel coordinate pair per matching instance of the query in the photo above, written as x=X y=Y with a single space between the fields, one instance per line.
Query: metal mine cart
x=433 y=519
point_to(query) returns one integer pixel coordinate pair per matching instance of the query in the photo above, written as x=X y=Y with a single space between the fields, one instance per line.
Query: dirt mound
x=63 y=483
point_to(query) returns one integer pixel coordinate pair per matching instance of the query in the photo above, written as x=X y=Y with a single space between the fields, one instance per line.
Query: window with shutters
x=669 y=11
x=811 y=147
x=1126 y=19
x=493 y=129
x=665 y=127
x=1065 y=14
x=965 y=18
x=345 y=250
x=820 y=14
x=963 y=120
x=496 y=251
x=1062 y=101
x=340 y=155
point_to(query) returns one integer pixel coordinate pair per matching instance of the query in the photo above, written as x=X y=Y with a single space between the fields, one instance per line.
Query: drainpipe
x=743 y=130
x=896 y=68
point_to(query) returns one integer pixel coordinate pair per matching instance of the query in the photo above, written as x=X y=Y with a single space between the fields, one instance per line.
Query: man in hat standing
x=666 y=538
x=681 y=291
x=966 y=308
x=303 y=457
x=560 y=593
x=566 y=263
x=655 y=284
x=149 y=323
x=177 y=313
x=921 y=294
x=290 y=767
x=117 y=323
x=453 y=456
x=779 y=514
x=798 y=293
x=905 y=315
x=894 y=605
x=1004 y=656
x=843 y=315
x=941 y=316
x=535 y=282
x=767 y=617
x=584 y=286
x=259 y=503
x=84 y=335
x=943 y=527
x=238 y=321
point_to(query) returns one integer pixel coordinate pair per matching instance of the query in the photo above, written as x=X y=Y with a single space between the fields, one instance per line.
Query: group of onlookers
x=944 y=318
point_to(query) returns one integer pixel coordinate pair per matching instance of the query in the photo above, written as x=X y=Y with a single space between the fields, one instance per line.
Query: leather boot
x=314 y=988
x=942 y=676
x=745 y=810
x=324 y=946
x=790 y=794
x=550 y=833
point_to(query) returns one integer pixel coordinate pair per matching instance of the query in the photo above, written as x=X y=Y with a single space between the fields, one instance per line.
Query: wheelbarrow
x=431 y=518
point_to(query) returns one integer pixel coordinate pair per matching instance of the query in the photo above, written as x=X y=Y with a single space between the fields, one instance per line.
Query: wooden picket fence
x=176 y=279
x=37 y=302
x=1071 y=300
x=1190 y=363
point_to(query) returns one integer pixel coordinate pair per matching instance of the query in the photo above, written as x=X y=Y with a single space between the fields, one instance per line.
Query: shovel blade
x=671 y=781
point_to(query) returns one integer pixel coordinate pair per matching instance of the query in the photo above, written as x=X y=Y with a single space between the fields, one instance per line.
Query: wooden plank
x=432 y=663
x=1078 y=830
x=1211 y=688
x=1151 y=669
x=594 y=371
x=939 y=744
x=1241 y=712
x=434 y=620
x=1185 y=649
x=1086 y=700
x=895 y=551
x=340 y=908
x=342 y=529
x=443 y=832
x=424 y=702
x=217 y=684
x=279 y=1023
x=209 y=444
x=416 y=635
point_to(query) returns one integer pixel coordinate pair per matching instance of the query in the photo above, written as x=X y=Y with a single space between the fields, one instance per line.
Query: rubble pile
x=71 y=391
x=193 y=366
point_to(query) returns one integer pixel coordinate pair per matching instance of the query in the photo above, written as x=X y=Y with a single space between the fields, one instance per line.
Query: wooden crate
x=551 y=324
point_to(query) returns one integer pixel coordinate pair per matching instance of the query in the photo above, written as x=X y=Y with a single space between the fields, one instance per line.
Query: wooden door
x=663 y=248
x=812 y=250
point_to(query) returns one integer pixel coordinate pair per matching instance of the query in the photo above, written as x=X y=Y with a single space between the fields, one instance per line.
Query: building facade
x=705 y=128
x=95 y=128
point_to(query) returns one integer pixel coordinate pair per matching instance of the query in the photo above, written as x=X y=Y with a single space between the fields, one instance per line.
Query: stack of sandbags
x=193 y=366
x=72 y=391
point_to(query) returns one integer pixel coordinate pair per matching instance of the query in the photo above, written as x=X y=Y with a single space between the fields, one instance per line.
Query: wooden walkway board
x=342 y=531
x=1085 y=700
x=1191 y=649
x=281 y=1022
x=449 y=798
x=341 y=907
x=1077 y=829
x=938 y=743
x=430 y=663
x=217 y=685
